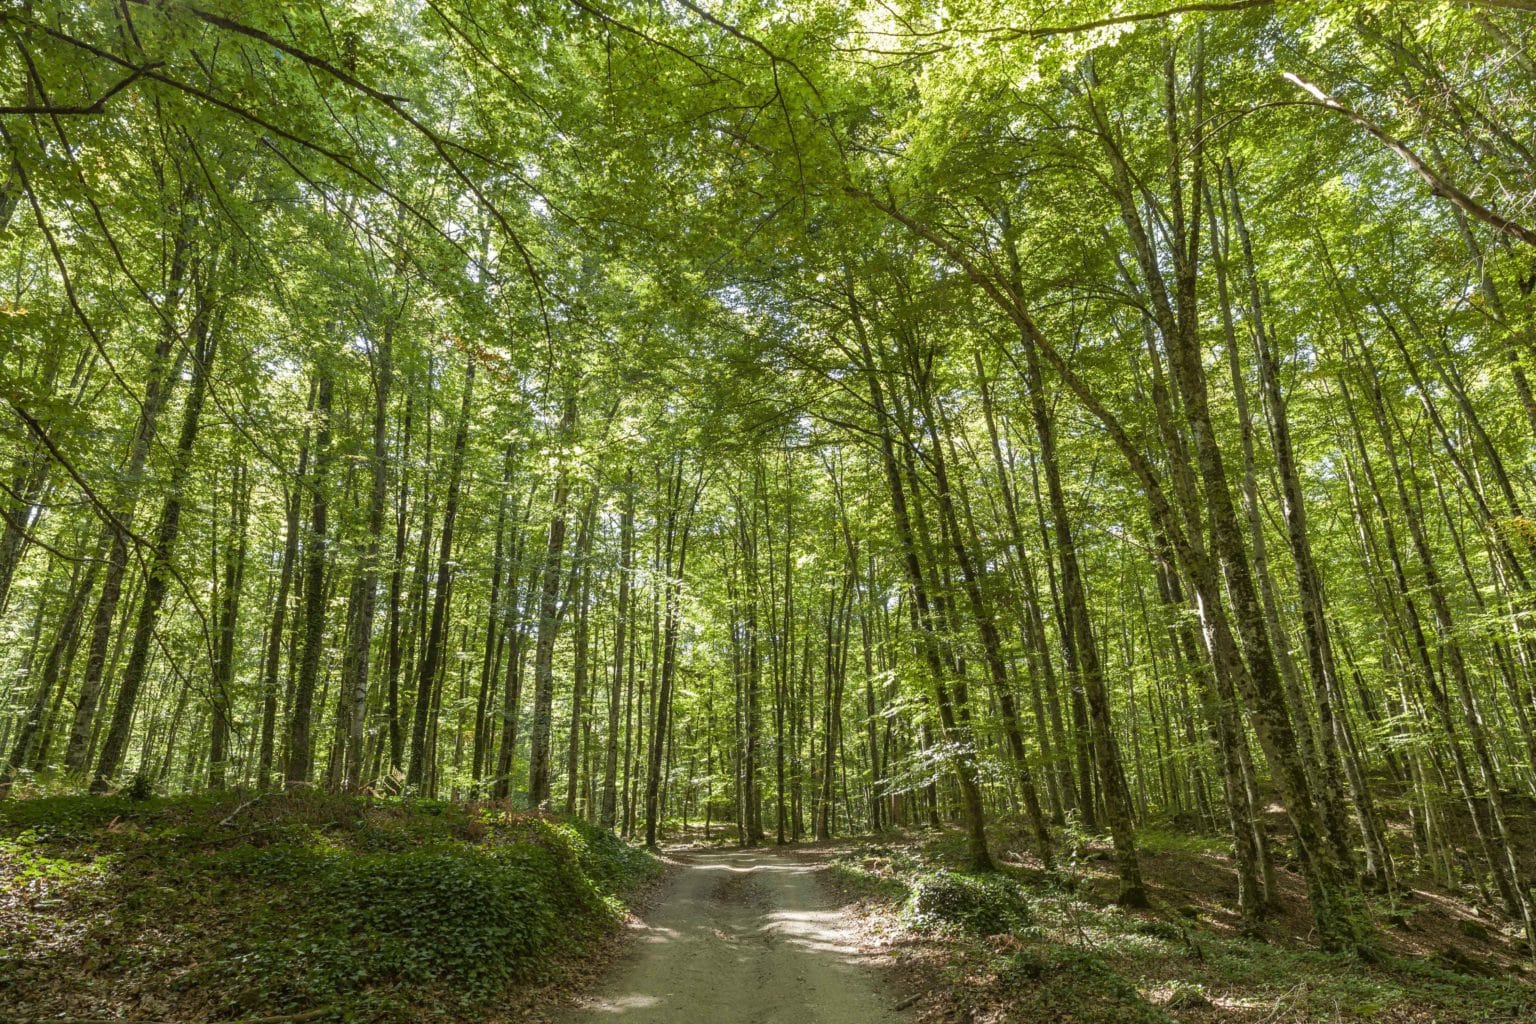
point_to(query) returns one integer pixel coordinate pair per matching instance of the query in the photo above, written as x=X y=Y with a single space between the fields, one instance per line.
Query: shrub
x=973 y=904
x=610 y=862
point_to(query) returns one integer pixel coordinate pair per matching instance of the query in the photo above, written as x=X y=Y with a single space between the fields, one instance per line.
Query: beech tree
x=788 y=421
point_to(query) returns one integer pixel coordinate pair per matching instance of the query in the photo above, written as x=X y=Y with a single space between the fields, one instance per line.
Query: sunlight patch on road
x=623 y=1004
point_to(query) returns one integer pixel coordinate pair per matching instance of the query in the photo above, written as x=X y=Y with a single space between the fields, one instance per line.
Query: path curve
x=742 y=937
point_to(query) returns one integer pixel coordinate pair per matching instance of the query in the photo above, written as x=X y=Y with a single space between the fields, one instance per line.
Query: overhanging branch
x=1438 y=183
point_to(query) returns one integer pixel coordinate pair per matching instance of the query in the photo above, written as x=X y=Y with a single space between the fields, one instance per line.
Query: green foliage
x=317 y=900
x=1080 y=958
x=1188 y=996
x=141 y=788
x=29 y=864
x=1169 y=840
x=1473 y=929
x=878 y=871
x=1158 y=929
x=606 y=859
x=992 y=904
x=1068 y=983
x=757 y=249
x=465 y=919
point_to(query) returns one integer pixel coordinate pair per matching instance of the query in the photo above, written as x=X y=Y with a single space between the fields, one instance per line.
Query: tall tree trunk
x=1175 y=316
x=549 y=624
x=433 y=650
x=964 y=760
x=164 y=373
x=672 y=583
x=365 y=586
x=300 y=753
x=59 y=653
x=495 y=635
x=620 y=630
x=29 y=485
x=206 y=327
x=273 y=658
x=581 y=573
x=992 y=652
x=397 y=614
x=746 y=527
x=229 y=619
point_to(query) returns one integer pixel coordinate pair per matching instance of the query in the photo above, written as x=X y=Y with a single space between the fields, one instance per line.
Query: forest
x=1077 y=430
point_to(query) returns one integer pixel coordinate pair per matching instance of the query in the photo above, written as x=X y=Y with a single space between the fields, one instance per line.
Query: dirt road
x=741 y=938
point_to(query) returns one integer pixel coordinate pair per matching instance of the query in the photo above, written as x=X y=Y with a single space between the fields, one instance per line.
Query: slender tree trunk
x=964 y=762
x=59 y=653
x=581 y=571
x=354 y=667
x=672 y=581
x=273 y=658
x=549 y=624
x=164 y=373
x=229 y=618
x=620 y=631
x=432 y=652
x=396 y=614
x=206 y=327
x=299 y=752
x=495 y=636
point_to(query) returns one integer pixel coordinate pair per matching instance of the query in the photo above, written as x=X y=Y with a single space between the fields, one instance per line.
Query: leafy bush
x=1188 y=996
x=450 y=916
x=142 y=787
x=973 y=904
x=610 y=862
x=468 y=920
x=27 y=862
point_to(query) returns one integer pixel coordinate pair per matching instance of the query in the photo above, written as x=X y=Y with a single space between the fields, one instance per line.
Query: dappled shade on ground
x=742 y=938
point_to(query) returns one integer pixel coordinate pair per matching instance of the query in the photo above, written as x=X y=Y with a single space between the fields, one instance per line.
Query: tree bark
x=432 y=652
x=299 y=752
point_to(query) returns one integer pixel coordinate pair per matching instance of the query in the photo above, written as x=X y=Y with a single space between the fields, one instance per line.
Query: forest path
x=742 y=937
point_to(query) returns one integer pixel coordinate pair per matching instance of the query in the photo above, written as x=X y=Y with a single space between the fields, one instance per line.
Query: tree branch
x=98 y=107
x=1438 y=184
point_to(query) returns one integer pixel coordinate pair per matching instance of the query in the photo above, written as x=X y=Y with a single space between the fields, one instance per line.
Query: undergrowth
x=1026 y=944
x=217 y=909
x=970 y=904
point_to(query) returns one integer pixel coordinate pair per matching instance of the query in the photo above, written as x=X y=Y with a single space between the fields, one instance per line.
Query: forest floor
x=1026 y=945
x=302 y=908
x=314 y=908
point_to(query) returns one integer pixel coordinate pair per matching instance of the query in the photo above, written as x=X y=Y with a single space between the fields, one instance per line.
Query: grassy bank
x=232 y=908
